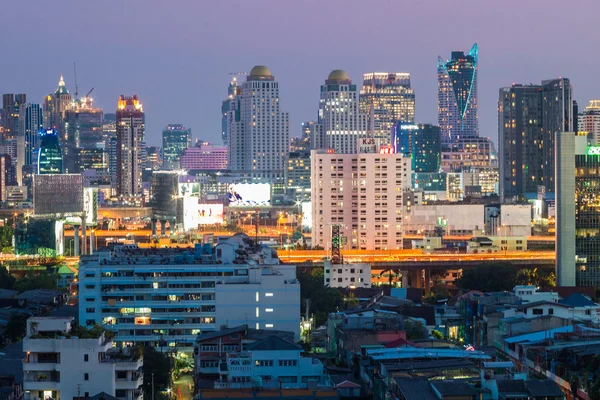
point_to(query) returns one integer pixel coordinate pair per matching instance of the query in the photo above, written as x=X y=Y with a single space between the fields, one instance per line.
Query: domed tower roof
x=261 y=73
x=62 y=87
x=338 y=75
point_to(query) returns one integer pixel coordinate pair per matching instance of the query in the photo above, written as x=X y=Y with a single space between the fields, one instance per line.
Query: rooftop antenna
x=76 y=87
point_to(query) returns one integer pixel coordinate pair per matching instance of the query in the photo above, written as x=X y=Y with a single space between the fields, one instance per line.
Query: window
x=87 y=394
x=90 y=299
x=287 y=363
x=86 y=357
x=538 y=311
x=86 y=377
x=264 y=363
x=551 y=311
x=90 y=310
x=268 y=294
x=268 y=325
x=268 y=310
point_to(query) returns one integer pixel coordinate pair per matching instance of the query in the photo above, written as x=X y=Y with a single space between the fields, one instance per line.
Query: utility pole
x=153 y=386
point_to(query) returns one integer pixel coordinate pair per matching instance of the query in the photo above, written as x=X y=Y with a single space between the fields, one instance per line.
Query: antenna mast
x=76 y=87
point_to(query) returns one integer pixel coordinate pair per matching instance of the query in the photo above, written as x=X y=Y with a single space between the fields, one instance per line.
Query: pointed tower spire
x=62 y=87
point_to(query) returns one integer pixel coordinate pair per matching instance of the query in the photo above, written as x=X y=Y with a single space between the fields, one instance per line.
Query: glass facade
x=433 y=182
x=57 y=194
x=420 y=142
x=176 y=138
x=50 y=159
x=587 y=218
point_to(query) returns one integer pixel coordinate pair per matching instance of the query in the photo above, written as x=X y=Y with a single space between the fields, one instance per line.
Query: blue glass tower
x=457 y=95
x=49 y=159
x=420 y=142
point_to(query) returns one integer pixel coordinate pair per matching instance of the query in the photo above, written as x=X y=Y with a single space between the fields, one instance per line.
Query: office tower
x=6 y=175
x=386 y=98
x=589 y=121
x=457 y=95
x=175 y=139
x=529 y=118
x=30 y=124
x=55 y=106
x=204 y=156
x=367 y=210
x=130 y=146
x=420 y=142
x=83 y=129
x=10 y=114
x=258 y=131
x=50 y=159
x=468 y=153
x=111 y=151
x=227 y=105
x=340 y=123
x=298 y=175
x=310 y=132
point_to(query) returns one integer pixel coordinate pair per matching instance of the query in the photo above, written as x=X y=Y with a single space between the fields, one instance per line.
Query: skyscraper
x=420 y=142
x=130 y=146
x=49 y=154
x=30 y=124
x=529 y=118
x=386 y=98
x=341 y=125
x=82 y=129
x=175 y=138
x=457 y=95
x=232 y=92
x=258 y=131
x=10 y=113
x=55 y=106
x=589 y=121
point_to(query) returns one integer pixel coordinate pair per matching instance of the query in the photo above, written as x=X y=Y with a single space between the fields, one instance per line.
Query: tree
x=6 y=235
x=6 y=280
x=16 y=327
x=322 y=300
x=159 y=365
x=438 y=231
x=438 y=292
x=496 y=277
x=31 y=281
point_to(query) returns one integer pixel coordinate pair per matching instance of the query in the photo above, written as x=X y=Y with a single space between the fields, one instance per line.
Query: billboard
x=210 y=214
x=90 y=204
x=191 y=213
x=189 y=189
x=57 y=194
x=249 y=195
x=307 y=214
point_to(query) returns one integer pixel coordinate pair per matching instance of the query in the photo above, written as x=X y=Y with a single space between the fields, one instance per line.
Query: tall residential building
x=30 y=124
x=170 y=295
x=131 y=138
x=457 y=95
x=298 y=175
x=10 y=114
x=529 y=118
x=82 y=129
x=175 y=139
x=6 y=175
x=468 y=153
x=258 y=131
x=386 y=98
x=49 y=154
x=204 y=156
x=589 y=121
x=55 y=106
x=232 y=91
x=362 y=194
x=341 y=125
x=420 y=142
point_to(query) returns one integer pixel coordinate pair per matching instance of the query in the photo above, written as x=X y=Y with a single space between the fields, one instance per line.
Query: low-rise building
x=63 y=361
x=347 y=275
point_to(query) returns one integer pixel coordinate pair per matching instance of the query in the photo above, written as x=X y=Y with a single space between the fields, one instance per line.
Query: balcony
x=124 y=364
x=131 y=384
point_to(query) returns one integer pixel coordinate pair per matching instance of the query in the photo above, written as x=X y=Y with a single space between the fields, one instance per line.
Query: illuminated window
x=268 y=310
x=269 y=294
x=268 y=325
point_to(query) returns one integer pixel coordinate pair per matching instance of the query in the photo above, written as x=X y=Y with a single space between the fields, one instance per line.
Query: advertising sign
x=210 y=214
x=249 y=195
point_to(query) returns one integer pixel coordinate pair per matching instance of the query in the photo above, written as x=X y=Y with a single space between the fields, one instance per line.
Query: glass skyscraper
x=50 y=159
x=457 y=95
x=176 y=138
x=420 y=142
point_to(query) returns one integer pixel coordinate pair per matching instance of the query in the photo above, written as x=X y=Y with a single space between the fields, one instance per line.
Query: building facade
x=50 y=160
x=420 y=142
x=341 y=125
x=10 y=114
x=298 y=174
x=457 y=95
x=589 y=121
x=176 y=138
x=258 y=131
x=386 y=98
x=204 y=156
x=82 y=129
x=30 y=124
x=55 y=106
x=226 y=106
x=362 y=194
x=130 y=146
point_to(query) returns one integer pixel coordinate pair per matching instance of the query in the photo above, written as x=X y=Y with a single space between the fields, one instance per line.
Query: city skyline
x=188 y=78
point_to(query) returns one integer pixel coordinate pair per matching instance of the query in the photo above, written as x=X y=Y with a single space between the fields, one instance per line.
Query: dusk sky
x=176 y=54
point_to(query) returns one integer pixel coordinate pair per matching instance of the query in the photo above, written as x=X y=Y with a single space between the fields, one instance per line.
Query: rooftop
x=273 y=343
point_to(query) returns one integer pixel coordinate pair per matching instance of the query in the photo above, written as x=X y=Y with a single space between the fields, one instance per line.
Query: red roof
x=347 y=384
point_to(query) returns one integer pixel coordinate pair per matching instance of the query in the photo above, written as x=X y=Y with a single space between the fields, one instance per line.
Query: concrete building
x=347 y=275
x=204 y=156
x=175 y=140
x=130 y=146
x=456 y=219
x=171 y=295
x=30 y=124
x=471 y=153
x=341 y=125
x=386 y=98
x=61 y=363
x=258 y=131
x=360 y=192
x=298 y=175
x=589 y=121
x=10 y=114
x=457 y=96
x=82 y=130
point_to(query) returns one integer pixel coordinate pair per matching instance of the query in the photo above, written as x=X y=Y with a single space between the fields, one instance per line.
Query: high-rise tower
x=176 y=138
x=258 y=131
x=30 y=125
x=50 y=159
x=339 y=119
x=386 y=98
x=55 y=106
x=83 y=131
x=130 y=146
x=589 y=121
x=10 y=113
x=226 y=106
x=457 y=95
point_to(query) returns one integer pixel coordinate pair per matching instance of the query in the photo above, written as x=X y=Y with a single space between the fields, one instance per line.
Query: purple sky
x=176 y=54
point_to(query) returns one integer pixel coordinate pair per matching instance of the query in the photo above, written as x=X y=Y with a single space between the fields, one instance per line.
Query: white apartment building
x=360 y=192
x=456 y=219
x=166 y=297
x=589 y=121
x=258 y=131
x=275 y=362
x=59 y=365
x=347 y=275
x=340 y=123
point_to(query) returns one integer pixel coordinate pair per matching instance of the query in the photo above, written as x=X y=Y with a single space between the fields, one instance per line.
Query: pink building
x=204 y=157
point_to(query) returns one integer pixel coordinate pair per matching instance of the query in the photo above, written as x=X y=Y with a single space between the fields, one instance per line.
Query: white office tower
x=340 y=122
x=258 y=131
x=64 y=362
x=166 y=297
x=589 y=121
x=360 y=192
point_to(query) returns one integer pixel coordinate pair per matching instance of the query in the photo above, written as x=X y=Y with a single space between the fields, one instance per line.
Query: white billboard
x=191 y=212
x=187 y=189
x=307 y=214
x=210 y=214
x=249 y=195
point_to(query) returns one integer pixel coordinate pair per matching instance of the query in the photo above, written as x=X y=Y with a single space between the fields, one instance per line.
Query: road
x=182 y=387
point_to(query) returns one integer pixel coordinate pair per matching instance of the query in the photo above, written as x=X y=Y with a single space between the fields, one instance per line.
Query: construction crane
x=88 y=93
